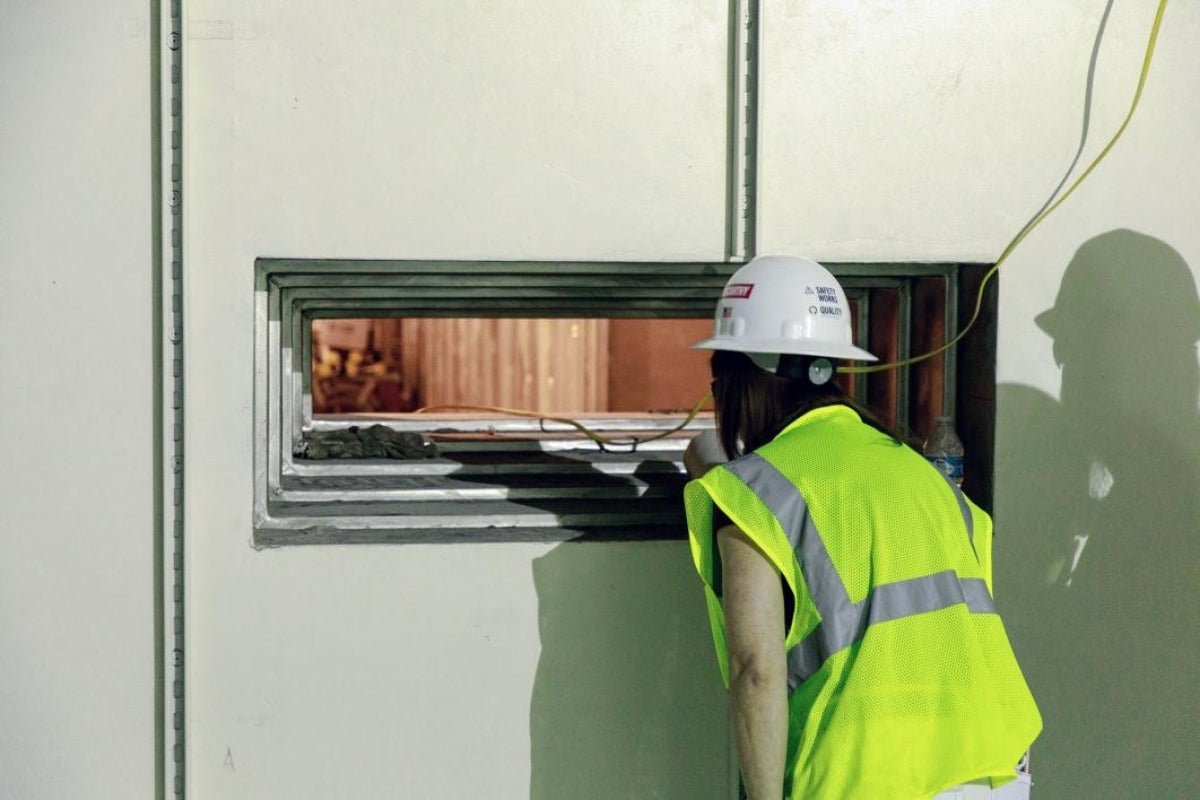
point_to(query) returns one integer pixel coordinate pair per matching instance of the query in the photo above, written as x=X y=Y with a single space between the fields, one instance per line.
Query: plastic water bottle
x=944 y=450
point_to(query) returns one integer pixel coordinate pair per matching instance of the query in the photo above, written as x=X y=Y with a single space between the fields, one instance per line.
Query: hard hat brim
x=1047 y=321
x=805 y=347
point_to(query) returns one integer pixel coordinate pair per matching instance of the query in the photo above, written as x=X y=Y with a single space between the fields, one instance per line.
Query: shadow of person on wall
x=627 y=699
x=1098 y=543
x=627 y=702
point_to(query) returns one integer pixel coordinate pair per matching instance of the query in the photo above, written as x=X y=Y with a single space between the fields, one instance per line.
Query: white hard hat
x=775 y=305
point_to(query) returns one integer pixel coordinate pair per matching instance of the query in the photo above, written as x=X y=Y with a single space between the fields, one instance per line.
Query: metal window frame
x=549 y=489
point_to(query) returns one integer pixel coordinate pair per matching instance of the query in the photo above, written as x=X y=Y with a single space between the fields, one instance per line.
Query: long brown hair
x=753 y=405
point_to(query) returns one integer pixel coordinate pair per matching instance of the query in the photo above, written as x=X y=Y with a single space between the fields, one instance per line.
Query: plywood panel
x=552 y=365
x=653 y=367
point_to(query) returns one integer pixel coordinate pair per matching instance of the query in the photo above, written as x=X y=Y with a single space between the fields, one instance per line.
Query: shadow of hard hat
x=1125 y=278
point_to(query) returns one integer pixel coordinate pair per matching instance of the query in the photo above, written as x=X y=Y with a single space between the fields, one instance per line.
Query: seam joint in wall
x=743 y=109
x=171 y=209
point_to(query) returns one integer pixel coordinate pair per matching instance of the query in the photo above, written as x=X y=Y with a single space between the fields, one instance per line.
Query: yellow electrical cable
x=603 y=441
x=634 y=441
x=1033 y=223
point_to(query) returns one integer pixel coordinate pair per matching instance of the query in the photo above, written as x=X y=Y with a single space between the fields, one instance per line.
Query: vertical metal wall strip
x=903 y=399
x=862 y=338
x=950 y=370
x=170 y=209
x=742 y=236
x=158 y=399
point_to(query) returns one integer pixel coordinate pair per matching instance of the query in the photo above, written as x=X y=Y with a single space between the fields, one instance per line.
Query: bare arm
x=703 y=453
x=753 y=603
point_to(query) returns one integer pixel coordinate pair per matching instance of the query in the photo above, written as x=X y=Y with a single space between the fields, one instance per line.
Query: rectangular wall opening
x=351 y=355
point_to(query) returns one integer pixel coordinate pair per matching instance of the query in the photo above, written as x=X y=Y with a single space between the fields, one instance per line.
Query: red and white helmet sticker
x=738 y=291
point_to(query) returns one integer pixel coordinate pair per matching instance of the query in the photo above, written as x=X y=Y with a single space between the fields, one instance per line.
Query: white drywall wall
x=77 y=648
x=918 y=130
x=446 y=130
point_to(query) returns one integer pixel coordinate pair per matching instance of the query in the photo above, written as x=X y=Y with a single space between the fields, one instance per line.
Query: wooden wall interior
x=551 y=365
x=572 y=366
x=538 y=364
x=652 y=366
x=927 y=379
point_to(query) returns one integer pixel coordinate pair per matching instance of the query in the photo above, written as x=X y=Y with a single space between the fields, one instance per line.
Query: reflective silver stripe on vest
x=968 y=520
x=842 y=622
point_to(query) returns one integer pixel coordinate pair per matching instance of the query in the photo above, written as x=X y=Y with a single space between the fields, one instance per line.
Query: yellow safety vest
x=901 y=679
